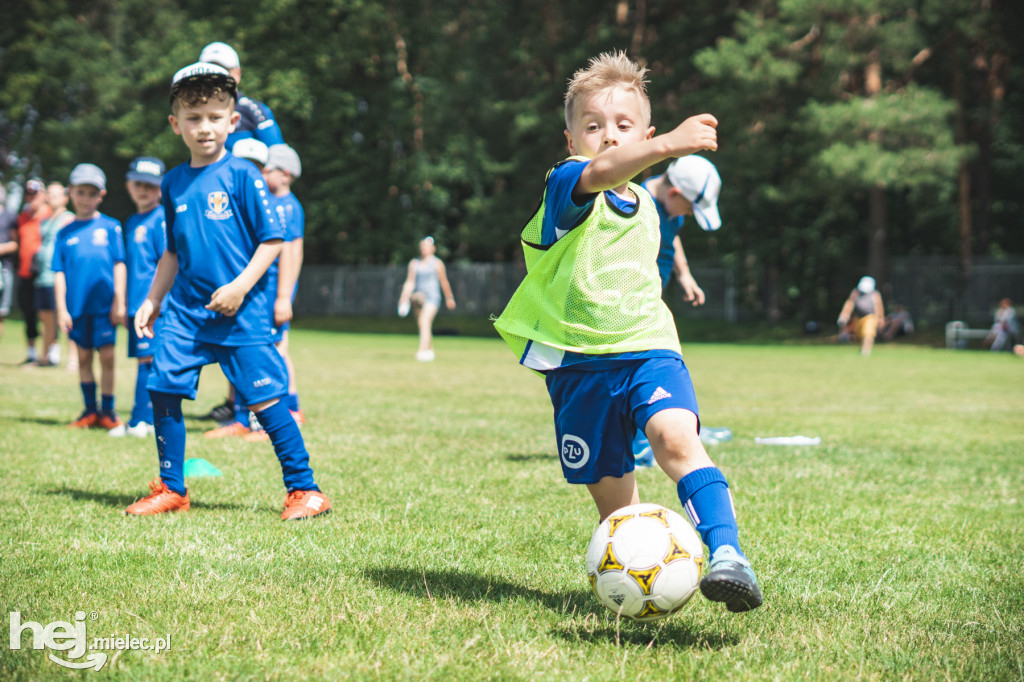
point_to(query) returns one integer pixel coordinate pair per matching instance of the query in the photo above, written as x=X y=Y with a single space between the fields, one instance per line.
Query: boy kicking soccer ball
x=589 y=315
x=221 y=238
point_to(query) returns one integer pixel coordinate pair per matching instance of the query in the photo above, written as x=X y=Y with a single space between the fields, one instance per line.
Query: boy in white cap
x=89 y=284
x=256 y=120
x=864 y=305
x=210 y=290
x=690 y=186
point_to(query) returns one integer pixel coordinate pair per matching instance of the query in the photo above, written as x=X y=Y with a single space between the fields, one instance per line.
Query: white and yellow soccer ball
x=644 y=561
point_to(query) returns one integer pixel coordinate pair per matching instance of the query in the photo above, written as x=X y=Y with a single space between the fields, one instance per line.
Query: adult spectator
x=57 y=200
x=255 y=118
x=897 y=323
x=863 y=312
x=1004 y=327
x=8 y=256
x=29 y=222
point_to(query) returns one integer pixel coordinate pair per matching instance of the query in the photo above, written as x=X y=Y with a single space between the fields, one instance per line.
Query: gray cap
x=252 y=149
x=698 y=181
x=283 y=157
x=88 y=174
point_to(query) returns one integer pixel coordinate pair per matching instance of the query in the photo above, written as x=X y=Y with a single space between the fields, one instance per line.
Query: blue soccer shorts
x=93 y=331
x=142 y=346
x=597 y=413
x=258 y=372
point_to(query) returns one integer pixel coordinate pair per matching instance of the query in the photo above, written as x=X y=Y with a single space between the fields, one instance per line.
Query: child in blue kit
x=89 y=287
x=589 y=316
x=221 y=238
x=144 y=245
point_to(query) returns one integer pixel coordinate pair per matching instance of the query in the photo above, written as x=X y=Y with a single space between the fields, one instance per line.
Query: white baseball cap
x=698 y=180
x=252 y=149
x=221 y=54
x=88 y=174
x=866 y=285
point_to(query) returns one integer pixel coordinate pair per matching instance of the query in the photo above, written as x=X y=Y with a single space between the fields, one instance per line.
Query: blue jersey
x=561 y=215
x=255 y=120
x=217 y=216
x=670 y=227
x=86 y=251
x=145 y=241
x=289 y=214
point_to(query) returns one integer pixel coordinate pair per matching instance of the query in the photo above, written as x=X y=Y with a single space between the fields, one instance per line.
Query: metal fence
x=932 y=289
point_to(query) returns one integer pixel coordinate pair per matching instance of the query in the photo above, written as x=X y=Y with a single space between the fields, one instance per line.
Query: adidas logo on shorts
x=659 y=394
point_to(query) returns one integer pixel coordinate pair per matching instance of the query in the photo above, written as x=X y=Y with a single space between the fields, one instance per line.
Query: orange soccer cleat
x=87 y=421
x=257 y=436
x=232 y=429
x=305 y=504
x=109 y=421
x=160 y=500
x=298 y=416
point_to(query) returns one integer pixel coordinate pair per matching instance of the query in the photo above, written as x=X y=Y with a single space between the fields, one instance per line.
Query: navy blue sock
x=142 y=410
x=705 y=497
x=89 y=395
x=169 y=425
x=241 y=412
x=293 y=402
x=107 y=403
x=284 y=433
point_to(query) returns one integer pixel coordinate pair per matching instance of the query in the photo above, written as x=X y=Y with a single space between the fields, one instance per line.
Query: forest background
x=852 y=132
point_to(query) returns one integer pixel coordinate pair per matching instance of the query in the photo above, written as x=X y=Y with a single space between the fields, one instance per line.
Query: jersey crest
x=217 y=206
x=99 y=237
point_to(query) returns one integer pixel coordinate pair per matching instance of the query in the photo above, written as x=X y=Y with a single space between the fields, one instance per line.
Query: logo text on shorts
x=63 y=636
x=575 y=452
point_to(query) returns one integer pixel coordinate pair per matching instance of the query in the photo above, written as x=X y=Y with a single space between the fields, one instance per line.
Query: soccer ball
x=644 y=562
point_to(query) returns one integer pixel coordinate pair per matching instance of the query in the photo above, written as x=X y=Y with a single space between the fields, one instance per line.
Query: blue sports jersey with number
x=217 y=216
x=255 y=120
x=145 y=236
x=86 y=251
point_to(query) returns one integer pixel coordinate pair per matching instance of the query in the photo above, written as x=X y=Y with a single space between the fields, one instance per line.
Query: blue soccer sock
x=284 y=433
x=107 y=404
x=705 y=497
x=293 y=402
x=142 y=410
x=241 y=412
x=169 y=425
x=89 y=395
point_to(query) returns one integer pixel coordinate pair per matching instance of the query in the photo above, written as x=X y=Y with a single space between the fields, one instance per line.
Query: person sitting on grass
x=89 y=287
x=221 y=238
x=589 y=315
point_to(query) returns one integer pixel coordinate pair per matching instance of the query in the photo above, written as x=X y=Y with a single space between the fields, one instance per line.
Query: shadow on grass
x=120 y=501
x=588 y=621
x=46 y=421
x=530 y=457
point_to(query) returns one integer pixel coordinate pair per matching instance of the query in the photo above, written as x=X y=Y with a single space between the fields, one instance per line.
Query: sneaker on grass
x=731 y=580
x=160 y=500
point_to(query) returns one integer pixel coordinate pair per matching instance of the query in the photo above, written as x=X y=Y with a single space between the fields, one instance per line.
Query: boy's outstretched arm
x=618 y=165
x=228 y=298
x=145 y=316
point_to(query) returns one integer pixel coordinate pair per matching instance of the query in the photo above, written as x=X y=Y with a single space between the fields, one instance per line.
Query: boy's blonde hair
x=608 y=69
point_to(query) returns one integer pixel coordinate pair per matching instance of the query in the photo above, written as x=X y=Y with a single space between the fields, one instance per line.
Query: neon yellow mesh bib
x=597 y=289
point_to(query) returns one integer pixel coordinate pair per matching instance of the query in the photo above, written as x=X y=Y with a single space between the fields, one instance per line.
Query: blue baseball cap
x=146 y=169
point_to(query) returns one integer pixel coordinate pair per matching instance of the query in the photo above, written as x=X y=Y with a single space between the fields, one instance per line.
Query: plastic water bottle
x=710 y=435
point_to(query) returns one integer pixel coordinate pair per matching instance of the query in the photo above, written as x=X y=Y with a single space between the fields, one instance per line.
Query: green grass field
x=455 y=551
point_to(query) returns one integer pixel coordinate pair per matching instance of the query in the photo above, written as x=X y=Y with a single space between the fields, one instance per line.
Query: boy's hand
x=282 y=311
x=117 y=314
x=693 y=135
x=227 y=300
x=691 y=292
x=64 y=321
x=145 y=318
